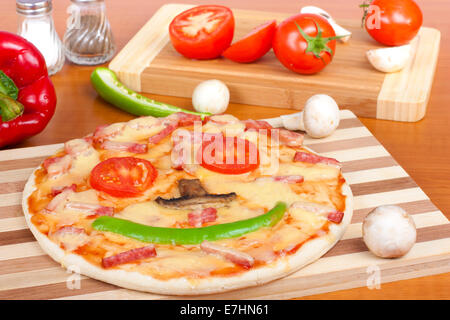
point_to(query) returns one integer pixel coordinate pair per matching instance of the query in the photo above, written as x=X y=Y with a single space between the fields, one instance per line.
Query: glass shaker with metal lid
x=36 y=25
x=88 y=39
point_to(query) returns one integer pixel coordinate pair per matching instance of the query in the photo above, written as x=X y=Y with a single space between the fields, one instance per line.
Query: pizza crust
x=308 y=253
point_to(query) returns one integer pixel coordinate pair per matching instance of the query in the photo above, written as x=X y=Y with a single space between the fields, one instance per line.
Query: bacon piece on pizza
x=237 y=257
x=331 y=213
x=286 y=137
x=187 y=119
x=290 y=138
x=168 y=129
x=313 y=159
x=132 y=147
x=129 y=256
x=77 y=146
x=92 y=210
x=199 y=217
x=57 y=165
x=335 y=216
x=70 y=238
x=289 y=179
x=106 y=132
x=59 y=199
x=58 y=190
x=257 y=125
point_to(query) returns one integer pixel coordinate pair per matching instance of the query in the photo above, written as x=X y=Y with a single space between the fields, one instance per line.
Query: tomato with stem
x=392 y=22
x=305 y=43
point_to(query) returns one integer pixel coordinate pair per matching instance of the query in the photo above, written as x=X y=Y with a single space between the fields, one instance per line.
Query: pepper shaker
x=88 y=39
x=37 y=26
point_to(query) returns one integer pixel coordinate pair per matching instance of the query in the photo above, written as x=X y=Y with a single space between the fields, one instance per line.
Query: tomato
x=305 y=55
x=254 y=45
x=228 y=155
x=203 y=32
x=393 y=23
x=123 y=177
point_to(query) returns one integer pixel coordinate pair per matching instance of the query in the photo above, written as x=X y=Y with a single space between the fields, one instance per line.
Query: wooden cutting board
x=26 y=272
x=148 y=63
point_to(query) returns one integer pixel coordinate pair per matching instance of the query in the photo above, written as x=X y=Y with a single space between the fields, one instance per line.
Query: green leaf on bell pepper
x=177 y=236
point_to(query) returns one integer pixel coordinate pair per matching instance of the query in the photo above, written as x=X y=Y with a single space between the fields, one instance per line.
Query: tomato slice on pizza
x=123 y=177
x=228 y=155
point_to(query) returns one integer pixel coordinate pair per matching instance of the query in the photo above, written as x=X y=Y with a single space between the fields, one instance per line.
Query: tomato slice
x=123 y=177
x=254 y=45
x=203 y=32
x=228 y=155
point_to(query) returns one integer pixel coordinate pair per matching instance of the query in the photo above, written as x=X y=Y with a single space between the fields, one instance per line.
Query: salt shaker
x=36 y=25
x=88 y=39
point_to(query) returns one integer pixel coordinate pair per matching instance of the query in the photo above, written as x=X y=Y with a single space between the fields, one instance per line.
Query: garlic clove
x=392 y=59
x=340 y=31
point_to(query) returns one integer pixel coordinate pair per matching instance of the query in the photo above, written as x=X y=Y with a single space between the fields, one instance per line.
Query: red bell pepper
x=27 y=95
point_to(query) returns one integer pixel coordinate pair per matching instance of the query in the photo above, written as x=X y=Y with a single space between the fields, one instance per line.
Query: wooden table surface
x=422 y=148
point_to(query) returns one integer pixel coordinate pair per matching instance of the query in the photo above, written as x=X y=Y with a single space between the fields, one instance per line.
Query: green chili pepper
x=177 y=236
x=112 y=90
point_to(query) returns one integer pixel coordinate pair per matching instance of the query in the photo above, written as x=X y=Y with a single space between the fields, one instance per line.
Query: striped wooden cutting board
x=375 y=178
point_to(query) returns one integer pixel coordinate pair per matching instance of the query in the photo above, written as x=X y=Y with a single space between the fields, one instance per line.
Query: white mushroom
x=340 y=31
x=389 y=232
x=391 y=59
x=211 y=96
x=319 y=118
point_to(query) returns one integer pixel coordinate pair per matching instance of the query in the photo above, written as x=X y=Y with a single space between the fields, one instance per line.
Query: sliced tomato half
x=123 y=177
x=203 y=32
x=254 y=45
x=228 y=155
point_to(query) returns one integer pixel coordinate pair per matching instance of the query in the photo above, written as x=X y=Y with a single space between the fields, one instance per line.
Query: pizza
x=183 y=205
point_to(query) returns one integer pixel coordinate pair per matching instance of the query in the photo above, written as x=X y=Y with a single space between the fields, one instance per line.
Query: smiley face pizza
x=183 y=205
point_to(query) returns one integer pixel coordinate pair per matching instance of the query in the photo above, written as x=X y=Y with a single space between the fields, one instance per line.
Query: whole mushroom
x=319 y=118
x=389 y=232
x=211 y=96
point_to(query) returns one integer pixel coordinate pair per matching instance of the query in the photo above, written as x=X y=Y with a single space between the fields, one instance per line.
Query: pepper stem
x=9 y=108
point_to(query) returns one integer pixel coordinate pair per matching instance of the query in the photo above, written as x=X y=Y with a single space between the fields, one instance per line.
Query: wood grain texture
x=404 y=95
x=149 y=62
x=346 y=265
x=420 y=148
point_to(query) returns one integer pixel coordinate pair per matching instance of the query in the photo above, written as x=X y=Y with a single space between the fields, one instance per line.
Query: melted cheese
x=151 y=214
x=139 y=129
x=308 y=222
x=309 y=172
